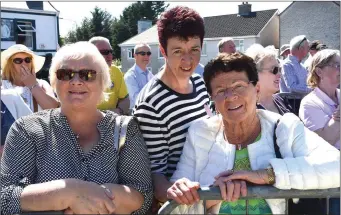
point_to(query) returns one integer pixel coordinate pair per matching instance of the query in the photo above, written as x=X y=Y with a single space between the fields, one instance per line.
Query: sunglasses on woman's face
x=276 y=70
x=20 y=60
x=144 y=53
x=106 y=52
x=69 y=74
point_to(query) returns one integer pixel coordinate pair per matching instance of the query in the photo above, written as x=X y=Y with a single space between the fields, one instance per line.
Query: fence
x=266 y=192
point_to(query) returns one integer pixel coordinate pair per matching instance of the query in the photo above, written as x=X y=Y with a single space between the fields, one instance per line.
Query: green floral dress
x=255 y=206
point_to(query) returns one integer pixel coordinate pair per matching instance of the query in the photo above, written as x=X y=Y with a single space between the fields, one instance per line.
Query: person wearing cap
x=284 y=51
x=294 y=75
x=118 y=98
x=19 y=67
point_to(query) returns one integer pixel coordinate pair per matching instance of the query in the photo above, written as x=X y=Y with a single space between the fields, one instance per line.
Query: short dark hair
x=225 y=63
x=181 y=22
x=313 y=45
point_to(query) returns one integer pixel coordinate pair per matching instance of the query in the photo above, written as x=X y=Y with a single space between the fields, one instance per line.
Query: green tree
x=116 y=30
x=126 y=26
x=98 y=25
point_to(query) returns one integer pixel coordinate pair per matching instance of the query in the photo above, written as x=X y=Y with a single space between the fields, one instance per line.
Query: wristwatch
x=271 y=175
x=33 y=86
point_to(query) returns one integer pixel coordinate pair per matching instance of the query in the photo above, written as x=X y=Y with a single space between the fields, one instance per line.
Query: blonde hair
x=258 y=53
x=320 y=60
x=82 y=51
x=9 y=72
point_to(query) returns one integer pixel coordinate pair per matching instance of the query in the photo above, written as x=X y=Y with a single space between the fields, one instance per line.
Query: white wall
x=212 y=49
x=46 y=30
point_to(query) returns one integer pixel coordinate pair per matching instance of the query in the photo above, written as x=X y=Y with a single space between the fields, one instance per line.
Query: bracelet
x=35 y=85
x=271 y=175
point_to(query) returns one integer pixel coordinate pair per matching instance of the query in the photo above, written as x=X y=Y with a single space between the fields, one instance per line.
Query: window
x=25 y=33
x=160 y=56
x=239 y=45
x=130 y=52
x=203 y=49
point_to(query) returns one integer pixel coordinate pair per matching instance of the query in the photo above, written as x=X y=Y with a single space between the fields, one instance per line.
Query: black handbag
x=306 y=206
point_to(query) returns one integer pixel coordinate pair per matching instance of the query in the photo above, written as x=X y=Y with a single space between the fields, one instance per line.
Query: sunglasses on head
x=144 y=53
x=20 y=60
x=106 y=52
x=84 y=74
x=304 y=39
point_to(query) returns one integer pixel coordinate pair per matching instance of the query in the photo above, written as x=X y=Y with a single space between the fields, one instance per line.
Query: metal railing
x=265 y=192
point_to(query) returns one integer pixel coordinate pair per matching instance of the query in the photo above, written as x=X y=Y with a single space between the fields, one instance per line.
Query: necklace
x=252 y=137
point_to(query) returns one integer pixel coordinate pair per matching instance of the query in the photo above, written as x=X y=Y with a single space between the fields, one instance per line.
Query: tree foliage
x=101 y=23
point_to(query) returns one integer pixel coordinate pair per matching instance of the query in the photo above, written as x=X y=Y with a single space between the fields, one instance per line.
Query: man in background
x=118 y=94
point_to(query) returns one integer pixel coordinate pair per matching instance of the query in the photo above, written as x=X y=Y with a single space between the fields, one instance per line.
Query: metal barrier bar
x=266 y=192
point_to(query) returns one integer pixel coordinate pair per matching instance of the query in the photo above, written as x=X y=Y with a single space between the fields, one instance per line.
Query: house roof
x=148 y=36
x=231 y=25
x=234 y=25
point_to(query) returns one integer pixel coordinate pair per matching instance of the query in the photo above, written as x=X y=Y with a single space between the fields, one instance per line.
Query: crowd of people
x=99 y=141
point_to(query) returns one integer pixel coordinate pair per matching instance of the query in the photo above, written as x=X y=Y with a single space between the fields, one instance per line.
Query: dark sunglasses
x=20 y=60
x=276 y=70
x=144 y=53
x=304 y=39
x=84 y=74
x=106 y=52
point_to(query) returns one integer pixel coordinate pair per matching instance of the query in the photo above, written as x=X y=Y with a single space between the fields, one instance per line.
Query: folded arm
x=309 y=161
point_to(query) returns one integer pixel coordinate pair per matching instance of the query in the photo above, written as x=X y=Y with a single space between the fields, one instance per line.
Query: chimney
x=245 y=10
x=143 y=25
x=35 y=5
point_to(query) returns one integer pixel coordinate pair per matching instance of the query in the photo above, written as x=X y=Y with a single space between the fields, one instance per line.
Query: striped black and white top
x=164 y=116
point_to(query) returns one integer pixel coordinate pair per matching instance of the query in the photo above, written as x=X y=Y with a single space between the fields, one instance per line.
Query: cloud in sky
x=74 y=12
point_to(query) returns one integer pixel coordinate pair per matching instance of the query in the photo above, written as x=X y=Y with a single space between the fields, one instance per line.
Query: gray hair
x=95 y=40
x=81 y=51
x=258 y=53
x=140 y=45
x=296 y=42
x=320 y=60
x=223 y=41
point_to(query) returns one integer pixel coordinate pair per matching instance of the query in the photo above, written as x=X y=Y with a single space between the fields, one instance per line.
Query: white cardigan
x=14 y=103
x=309 y=161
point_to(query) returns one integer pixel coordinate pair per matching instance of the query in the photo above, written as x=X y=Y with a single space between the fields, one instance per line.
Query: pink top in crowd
x=317 y=109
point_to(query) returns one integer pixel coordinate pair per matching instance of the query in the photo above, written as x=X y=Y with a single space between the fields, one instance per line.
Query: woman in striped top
x=174 y=97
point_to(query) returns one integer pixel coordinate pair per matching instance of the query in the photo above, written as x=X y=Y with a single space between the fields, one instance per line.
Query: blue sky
x=73 y=12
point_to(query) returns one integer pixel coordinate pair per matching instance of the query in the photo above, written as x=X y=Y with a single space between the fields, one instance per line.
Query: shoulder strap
x=278 y=153
x=35 y=105
x=120 y=132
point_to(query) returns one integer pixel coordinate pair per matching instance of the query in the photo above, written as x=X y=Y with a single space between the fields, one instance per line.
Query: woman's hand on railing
x=253 y=176
x=231 y=190
x=184 y=191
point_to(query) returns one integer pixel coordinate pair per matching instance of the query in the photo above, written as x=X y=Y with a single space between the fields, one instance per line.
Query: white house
x=246 y=28
x=37 y=29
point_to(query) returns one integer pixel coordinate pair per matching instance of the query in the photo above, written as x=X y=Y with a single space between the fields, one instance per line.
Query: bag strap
x=278 y=153
x=120 y=132
x=35 y=105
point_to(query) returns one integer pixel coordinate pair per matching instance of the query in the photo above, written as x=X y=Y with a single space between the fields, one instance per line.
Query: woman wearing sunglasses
x=67 y=159
x=269 y=73
x=19 y=67
x=320 y=109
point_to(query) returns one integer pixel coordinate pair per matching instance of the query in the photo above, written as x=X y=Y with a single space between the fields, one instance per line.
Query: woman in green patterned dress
x=237 y=146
